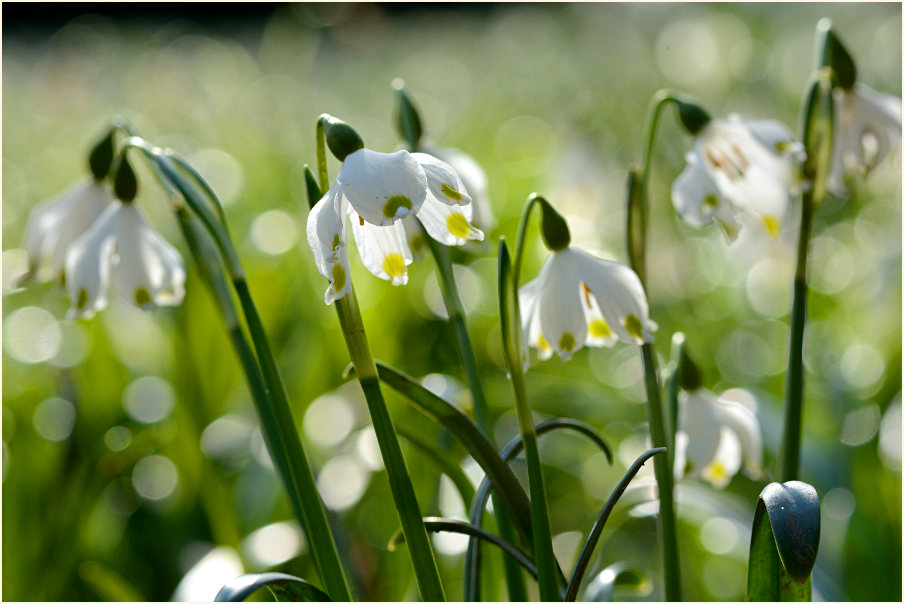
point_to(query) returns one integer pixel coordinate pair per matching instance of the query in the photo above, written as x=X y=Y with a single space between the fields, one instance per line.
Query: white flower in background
x=376 y=190
x=123 y=252
x=579 y=299
x=867 y=130
x=738 y=164
x=55 y=224
x=714 y=436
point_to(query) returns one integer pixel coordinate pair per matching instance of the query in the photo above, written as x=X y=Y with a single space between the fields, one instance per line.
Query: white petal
x=598 y=331
x=698 y=201
x=867 y=129
x=697 y=417
x=326 y=238
x=529 y=303
x=88 y=265
x=726 y=462
x=447 y=224
x=383 y=249
x=561 y=315
x=474 y=179
x=744 y=424
x=55 y=224
x=619 y=294
x=443 y=182
x=147 y=271
x=382 y=187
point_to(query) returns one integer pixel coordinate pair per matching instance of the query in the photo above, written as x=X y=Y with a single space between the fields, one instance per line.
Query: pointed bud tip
x=693 y=117
x=125 y=183
x=341 y=138
x=101 y=157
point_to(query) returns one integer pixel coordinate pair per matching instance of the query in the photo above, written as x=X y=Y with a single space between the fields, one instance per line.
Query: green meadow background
x=130 y=449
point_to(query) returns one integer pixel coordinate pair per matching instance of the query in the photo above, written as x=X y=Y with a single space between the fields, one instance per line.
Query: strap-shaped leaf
x=285 y=588
x=784 y=542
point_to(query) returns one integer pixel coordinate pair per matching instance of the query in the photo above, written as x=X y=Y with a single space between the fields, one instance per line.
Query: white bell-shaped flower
x=867 y=130
x=442 y=206
x=474 y=179
x=715 y=436
x=738 y=164
x=123 y=252
x=55 y=224
x=579 y=299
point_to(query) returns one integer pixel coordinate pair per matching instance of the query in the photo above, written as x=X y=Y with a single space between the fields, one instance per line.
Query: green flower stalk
x=332 y=259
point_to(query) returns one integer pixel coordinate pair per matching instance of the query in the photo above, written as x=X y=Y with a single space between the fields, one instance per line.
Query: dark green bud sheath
x=408 y=122
x=340 y=137
x=553 y=227
x=693 y=117
x=125 y=183
x=314 y=193
x=835 y=55
x=101 y=156
x=688 y=373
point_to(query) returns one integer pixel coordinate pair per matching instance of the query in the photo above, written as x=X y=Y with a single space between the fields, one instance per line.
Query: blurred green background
x=131 y=455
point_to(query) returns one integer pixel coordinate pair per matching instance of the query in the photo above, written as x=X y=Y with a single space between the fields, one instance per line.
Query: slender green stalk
x=422 y=557
x=277 y=424
x=637 y=210
x=511 y=337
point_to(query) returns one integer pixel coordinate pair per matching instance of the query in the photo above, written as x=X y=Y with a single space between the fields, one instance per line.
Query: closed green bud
x=836 y=56
x=408 y=122
x=636 y=223
x=314 y=193
x=125 y=183
x=553 y=227
x=101 y=156
x=340 y=137
x=688 y=373
x=693 y=117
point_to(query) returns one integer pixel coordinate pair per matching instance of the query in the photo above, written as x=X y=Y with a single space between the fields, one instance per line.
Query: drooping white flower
x=123 y=252
x=403 y=184
x=738 y=164
x=714 y=436
x=867 y=130
x=579 y=299
x=55 y=224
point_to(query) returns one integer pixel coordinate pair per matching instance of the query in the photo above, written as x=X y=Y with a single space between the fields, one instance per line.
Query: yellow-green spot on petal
x=451 y=193
x=772 y=225
x=542 y=344
x=142 y=297
x=63 y=278
x=336 y=241
x=566 y=342
x=716 y=473
x=598 y=328
x=394 y=203
x=338 y=273
x=82 y=301
x=417 y=243
x=394 y=264
x=458 y=225
x=711 y=201
x=634 y=326
x=782 y=146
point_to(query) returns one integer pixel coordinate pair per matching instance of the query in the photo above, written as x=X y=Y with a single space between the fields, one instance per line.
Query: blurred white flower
x=714 y=435
x=121 y=250
x=738 y=164
x=580 y=299
x=867 y=129
x=55 y=224
x=375 y=190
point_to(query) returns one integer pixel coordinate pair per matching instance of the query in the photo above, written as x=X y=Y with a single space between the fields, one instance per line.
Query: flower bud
x=636 y=223
x=340 y=137
x=101 y=156
x=693 y=117
x=553 y=227
x=125 y=183
x=408 y=122
x=688 y=373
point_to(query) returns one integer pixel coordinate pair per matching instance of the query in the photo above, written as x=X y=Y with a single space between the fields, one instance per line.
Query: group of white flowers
x=91 y=242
